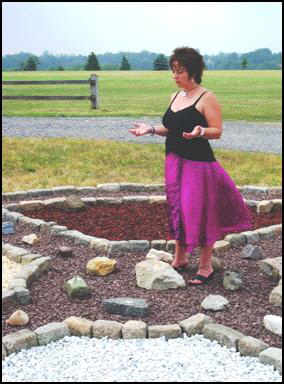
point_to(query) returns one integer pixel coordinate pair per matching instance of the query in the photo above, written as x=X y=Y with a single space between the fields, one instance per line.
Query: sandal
x=180 y=268
x=202 y=279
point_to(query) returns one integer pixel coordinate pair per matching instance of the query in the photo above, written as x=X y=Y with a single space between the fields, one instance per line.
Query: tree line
x=259 y=59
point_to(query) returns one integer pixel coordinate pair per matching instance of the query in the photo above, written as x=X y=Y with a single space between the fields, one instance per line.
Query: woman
x=203 y=201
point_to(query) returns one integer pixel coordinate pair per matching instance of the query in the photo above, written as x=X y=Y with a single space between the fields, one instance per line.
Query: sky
x=160 y=27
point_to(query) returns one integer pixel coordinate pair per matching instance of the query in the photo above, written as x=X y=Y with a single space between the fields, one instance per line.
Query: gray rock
x=8 y=228
x=232 y=280
x=272 y=356
x=77 y=287
x=251 y=251
x=127 y=306
x=51 y=332
x=214 y=302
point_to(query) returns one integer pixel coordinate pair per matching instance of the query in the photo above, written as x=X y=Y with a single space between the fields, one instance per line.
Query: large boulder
x=155 y=274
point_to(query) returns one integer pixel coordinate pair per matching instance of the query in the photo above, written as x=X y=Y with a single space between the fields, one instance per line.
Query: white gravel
x=187 y=359
x=243 y=136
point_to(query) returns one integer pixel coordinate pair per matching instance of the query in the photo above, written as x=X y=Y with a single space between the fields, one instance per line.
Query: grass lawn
x=244 y=95
x=44 y=163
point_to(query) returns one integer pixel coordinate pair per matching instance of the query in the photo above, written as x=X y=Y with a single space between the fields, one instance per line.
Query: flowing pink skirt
x=203 y=202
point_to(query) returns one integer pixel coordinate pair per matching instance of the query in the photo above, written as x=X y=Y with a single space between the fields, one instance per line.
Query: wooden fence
x=93 y=81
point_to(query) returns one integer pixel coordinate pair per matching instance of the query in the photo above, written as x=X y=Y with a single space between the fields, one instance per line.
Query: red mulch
x=130 y=221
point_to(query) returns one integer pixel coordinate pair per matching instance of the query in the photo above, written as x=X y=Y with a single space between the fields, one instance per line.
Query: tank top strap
x=199 y=98
x=174 y=98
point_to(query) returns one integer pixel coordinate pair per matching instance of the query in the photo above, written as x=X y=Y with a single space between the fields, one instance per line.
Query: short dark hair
x=191 y=59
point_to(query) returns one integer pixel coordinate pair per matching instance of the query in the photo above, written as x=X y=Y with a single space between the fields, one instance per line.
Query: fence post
x=94 y=91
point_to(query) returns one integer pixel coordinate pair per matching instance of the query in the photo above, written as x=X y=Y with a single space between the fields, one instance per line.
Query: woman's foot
x=179 y=262
x=205 y=271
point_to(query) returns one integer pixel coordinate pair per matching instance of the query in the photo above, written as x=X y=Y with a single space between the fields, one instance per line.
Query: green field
x=43 y=163
x=244 y=95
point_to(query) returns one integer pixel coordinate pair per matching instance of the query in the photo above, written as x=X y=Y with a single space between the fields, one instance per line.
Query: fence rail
x=93 y=81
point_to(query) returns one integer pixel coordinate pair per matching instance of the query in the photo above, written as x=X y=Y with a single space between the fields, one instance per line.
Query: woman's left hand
x=195 y=133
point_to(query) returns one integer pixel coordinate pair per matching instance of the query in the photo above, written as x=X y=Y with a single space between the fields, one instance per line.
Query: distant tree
x=124 y=66
x=244 y=63
x=92 y=62
x=160 y=63
x=60 y=68
x=31 y=64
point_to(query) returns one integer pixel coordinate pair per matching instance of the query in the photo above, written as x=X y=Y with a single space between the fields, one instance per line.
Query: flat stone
x=15 y=253
x=17 y=283
x=169 y=331
x=74 y=203
x=51 y=332
x=275 y=297
x=139 y=245
x=194 y=324
x=159 y=244
x=115 y=187
x=108 y=200
x=265 y=233
x=272 y=356
x=132 y=187
x=134 y=329
x=57 y=202
x=135 y=199
x=31 y=204
x=224 y=335
x=107 y=328
x=214 y=302
x=157 y=199
x=264 y=206
x=64 y=189
x=4 y=353
x=8 y=296
x=22 y=295
x=13 y=216
x=39 y=192
x=126 y=306
x=119 y=246
x=221 y=246
x=33 y=223
x=171 y=246
x=79 y=326
x=252 y=237
x=250 y=346
x=57 y=229
x=236 y=239
x=271 y=266
x=26 y=259
x=15 y=195
x=100 y=245
x=23 y=339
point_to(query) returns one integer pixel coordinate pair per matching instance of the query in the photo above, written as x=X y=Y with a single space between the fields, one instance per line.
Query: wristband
x=152 y=130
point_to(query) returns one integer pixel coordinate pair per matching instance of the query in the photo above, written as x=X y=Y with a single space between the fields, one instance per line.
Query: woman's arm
x=212 y=112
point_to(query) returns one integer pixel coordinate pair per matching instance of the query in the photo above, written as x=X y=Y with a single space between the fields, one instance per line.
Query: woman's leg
x=180 y=256
x=205 y=264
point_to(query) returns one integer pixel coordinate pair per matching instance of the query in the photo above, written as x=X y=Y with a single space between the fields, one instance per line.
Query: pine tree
x=31 y=64
x=160 y=63
x=92 y=62
x=124 y=66
x=244 y=63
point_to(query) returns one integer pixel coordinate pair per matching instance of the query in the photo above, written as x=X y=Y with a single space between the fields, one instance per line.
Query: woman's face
x=180 y=75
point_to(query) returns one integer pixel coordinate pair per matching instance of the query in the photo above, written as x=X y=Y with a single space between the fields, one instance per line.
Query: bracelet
x=152 y=130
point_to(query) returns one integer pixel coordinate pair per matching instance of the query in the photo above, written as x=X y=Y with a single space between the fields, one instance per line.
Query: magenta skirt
x=203 y=202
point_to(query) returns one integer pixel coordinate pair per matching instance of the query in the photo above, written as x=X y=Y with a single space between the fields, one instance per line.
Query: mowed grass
x=44 y=163
x=244 y=95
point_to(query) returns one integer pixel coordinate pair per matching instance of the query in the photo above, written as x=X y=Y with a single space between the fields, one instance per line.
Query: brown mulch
x=51 y=303
x=136 y=221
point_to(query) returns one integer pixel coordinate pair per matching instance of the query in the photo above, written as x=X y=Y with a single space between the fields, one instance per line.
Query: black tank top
x=185 y=120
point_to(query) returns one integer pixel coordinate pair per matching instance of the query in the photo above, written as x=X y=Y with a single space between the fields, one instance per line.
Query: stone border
x=109 y=247
x=199 y=323
x=118 y=187
x=33 y=265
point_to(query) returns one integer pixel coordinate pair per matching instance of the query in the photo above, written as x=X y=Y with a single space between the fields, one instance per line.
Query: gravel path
x=255 y=137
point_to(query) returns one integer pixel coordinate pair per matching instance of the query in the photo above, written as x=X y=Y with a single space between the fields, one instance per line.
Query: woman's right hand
x=140 y=129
